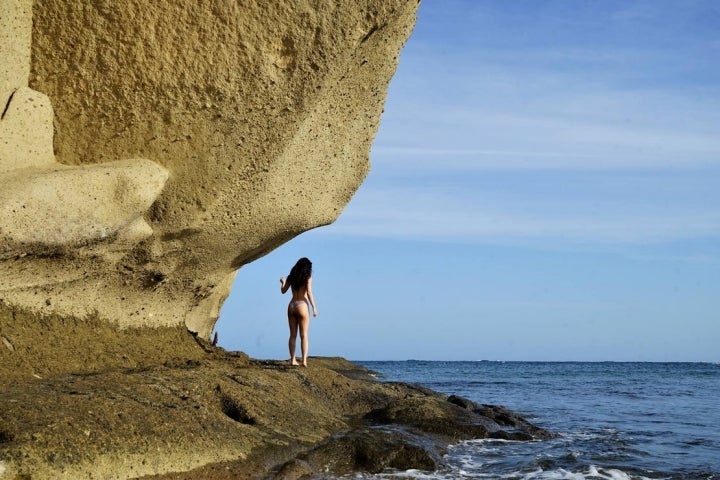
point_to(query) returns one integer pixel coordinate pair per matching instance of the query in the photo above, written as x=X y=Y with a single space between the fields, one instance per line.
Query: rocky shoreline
x=222 y=415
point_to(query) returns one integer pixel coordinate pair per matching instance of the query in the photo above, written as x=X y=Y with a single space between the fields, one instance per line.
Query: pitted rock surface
x=151 y=149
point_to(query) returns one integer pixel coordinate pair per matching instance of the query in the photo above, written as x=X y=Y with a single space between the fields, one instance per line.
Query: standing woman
x=300 y=279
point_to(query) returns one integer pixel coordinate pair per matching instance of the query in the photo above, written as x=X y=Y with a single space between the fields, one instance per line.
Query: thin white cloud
x=447 y=160
x=445 y=215
x=564 y=104
x=620 y=140
x=554 y=107
x=699 y=258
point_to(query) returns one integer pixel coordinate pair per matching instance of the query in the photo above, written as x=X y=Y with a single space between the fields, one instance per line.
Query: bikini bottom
x=295 y=304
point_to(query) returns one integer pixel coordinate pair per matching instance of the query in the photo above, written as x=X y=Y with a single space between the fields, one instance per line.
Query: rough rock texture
x=15 y=37
x=26 y=130
x=107 y=199
x=190 y=138
x=184 y=410
x=83 y=345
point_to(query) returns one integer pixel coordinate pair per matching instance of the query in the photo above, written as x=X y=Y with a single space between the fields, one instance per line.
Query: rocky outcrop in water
x=211 y=414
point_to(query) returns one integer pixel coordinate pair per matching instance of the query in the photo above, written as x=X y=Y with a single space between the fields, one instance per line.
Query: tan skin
x=299 y=317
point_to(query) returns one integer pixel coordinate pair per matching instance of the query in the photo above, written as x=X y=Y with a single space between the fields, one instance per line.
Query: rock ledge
x=208 y=413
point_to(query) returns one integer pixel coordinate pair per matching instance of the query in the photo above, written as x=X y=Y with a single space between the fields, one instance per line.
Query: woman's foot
x=294 y=362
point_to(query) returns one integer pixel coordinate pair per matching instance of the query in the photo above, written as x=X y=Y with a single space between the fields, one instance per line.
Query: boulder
x=519 y=427
x=431 y=415
x=76 y=206
x=456 y=418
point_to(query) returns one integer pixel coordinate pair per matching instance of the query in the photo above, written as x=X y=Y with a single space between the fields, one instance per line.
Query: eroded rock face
x=189 y=139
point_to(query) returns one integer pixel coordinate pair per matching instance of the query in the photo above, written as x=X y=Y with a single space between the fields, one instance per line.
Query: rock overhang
x=150 y=149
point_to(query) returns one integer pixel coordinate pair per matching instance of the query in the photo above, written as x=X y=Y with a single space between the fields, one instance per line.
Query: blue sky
x=545 y=186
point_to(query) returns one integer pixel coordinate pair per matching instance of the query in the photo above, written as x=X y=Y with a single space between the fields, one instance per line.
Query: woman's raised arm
x=284 y=285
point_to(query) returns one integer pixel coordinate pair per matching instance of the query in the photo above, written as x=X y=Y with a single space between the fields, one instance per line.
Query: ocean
x=616 y=420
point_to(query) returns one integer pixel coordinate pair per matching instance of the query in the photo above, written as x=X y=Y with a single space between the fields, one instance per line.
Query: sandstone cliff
x=148 y=150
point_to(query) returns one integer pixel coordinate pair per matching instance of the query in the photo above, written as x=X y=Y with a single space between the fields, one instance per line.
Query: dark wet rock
x=369 y=450
x=295 y=469
x=515 y=436
x=434 y=416
x=418 y=388
x=457 y=418
x=501 y=415
x=508 y=418
x=409 y=431
x=504 y=417
x=462 y=402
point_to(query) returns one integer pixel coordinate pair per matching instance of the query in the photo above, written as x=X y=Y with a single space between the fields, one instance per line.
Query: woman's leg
x=293 y=324
x=304 y=324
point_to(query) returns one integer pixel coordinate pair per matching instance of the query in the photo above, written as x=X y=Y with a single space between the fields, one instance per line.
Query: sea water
x=615 y=420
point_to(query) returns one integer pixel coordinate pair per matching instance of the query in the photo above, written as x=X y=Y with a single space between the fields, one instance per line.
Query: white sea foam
x=592 y=473
x=492 y=440
x=483 y=445
x=417 y=474
x=612 y=474
x=540 y=474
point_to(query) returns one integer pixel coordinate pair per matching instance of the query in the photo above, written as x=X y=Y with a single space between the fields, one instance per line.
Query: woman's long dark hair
x=300 y=273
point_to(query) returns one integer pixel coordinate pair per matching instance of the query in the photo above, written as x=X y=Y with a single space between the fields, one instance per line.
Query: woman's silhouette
x=300 y=280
